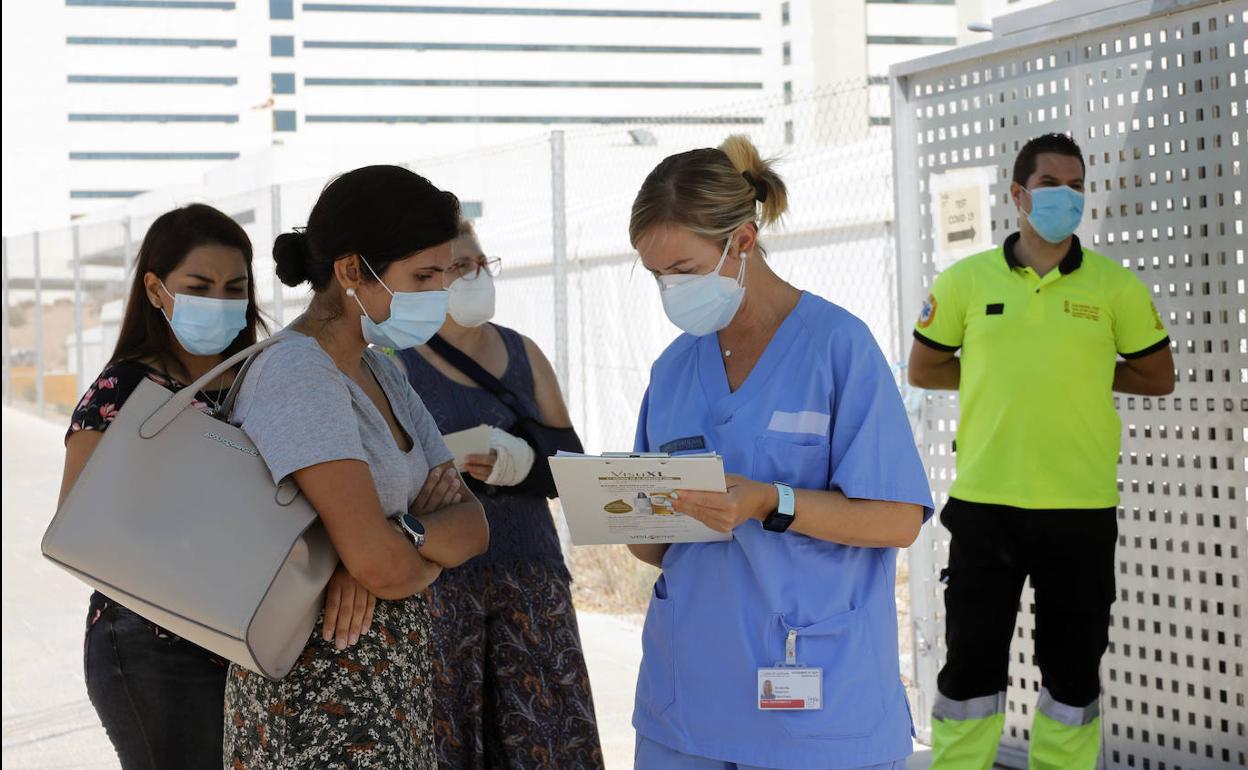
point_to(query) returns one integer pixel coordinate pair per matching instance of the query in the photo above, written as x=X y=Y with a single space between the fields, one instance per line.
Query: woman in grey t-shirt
x=341 y=420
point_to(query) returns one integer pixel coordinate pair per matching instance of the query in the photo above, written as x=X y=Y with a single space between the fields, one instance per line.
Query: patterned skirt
x=368 y=706
x=511 y=690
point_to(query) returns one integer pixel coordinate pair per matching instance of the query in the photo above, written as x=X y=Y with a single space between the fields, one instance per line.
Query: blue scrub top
x=820 y=410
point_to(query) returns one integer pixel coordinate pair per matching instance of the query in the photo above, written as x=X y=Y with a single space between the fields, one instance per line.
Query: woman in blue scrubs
x=778 y=648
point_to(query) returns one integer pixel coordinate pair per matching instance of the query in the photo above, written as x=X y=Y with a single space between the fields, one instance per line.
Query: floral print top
x=100 y=404
x=97 y=410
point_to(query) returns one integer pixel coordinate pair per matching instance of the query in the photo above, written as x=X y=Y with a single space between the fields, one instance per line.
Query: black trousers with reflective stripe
x=1069 y=556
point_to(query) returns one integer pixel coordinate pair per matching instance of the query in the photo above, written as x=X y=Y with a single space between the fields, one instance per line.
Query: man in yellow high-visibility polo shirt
x=1048 y=330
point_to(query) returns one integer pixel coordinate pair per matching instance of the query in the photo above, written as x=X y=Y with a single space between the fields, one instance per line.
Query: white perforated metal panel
x=1159 y=103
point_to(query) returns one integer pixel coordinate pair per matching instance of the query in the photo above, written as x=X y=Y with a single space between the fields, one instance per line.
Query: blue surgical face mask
x=703 y=304
x=206 y=326
x=415 y=316
x=1055 y=212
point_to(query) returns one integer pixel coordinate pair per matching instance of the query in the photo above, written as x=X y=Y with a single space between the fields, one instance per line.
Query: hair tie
x=760 y=189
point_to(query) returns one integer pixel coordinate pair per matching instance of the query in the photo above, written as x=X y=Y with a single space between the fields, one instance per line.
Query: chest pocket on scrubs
x=656 y=687
x=853 y=684
x=802 y=466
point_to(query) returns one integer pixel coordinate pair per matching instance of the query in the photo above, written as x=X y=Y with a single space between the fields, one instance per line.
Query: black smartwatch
x=781 y=519
x=414 y=530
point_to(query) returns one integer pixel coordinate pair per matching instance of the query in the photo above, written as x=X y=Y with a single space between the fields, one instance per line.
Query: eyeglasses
x=471 y=269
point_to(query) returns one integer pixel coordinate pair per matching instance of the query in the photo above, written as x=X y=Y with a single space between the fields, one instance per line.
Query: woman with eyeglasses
x=511 y=689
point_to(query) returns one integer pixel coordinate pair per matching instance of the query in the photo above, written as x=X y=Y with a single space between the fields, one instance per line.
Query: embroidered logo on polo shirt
x=928 y=314
x=1081 y=310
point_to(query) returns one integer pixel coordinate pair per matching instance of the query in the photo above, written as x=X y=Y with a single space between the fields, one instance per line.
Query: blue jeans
x=160 y=698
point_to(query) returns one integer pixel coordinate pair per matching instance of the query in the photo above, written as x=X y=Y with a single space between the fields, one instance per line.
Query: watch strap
x=780 y=519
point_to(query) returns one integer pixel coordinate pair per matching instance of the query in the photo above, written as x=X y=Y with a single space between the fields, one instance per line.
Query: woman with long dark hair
x=192 y=304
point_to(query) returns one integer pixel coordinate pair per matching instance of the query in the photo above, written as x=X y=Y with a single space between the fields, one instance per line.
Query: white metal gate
x=1154 y=91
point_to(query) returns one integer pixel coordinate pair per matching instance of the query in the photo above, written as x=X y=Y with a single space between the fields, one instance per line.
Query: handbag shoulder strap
x=227 y=406
x=165 y=414
x=476 y=372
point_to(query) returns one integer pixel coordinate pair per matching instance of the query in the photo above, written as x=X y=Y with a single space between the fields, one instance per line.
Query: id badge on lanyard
x=790 y=686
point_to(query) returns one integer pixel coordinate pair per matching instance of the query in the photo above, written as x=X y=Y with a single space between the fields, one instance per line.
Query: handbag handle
x=165 y=414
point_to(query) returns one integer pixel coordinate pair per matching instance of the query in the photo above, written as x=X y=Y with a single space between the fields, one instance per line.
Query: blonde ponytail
x=770 y=188
x=711 y=192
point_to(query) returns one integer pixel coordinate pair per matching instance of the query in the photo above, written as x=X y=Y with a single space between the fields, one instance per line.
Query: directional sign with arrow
x=960 y=213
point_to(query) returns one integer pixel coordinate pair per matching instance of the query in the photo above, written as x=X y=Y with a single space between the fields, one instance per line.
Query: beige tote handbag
x=176 y=517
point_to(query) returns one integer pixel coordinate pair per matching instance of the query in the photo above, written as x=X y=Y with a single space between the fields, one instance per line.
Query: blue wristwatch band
x=780 y=519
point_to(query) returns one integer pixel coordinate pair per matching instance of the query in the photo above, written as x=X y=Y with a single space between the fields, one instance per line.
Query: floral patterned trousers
x=368 y=706
x=511 y=691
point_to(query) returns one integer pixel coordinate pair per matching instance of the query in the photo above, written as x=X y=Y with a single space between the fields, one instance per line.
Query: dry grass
x=610 y=579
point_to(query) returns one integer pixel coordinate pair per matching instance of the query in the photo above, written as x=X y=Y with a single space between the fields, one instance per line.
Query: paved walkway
x=48 y=722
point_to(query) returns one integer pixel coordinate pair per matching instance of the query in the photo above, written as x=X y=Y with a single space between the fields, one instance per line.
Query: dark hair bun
x=290 y=252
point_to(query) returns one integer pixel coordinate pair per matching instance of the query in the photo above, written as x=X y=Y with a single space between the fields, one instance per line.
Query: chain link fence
x=554 y=208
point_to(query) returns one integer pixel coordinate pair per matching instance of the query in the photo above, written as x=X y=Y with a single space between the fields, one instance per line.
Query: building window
x=788 y=132
x=910 y=40
x=156 y=80
x=784 y=14
x=283 y=120
x=283 y=82
x=544 y=120
x=116 y=117
x=211 y=5
x=461 y=10
x=788 y=92
x=175 y=42
x=88 y=194
x=282 y=45
x=787 y=54
x=495 y=83
x=405 y=45
x=153 y=155
x=281 y=9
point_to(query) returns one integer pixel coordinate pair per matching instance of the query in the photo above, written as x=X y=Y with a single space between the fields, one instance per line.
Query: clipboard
x=626 y=497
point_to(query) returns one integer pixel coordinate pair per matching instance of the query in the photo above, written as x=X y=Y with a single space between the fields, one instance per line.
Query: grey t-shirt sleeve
x=299 y=411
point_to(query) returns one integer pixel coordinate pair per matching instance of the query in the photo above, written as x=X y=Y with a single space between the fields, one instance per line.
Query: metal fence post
x=4 y=283
x=923 y=610
x=39 y=395
x=559 y=256
x=275 y=218
x=127 y=246
x=79 y=355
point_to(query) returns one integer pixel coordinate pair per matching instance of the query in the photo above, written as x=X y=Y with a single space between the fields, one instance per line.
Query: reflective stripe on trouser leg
x=965 y=733
x=1064 y=737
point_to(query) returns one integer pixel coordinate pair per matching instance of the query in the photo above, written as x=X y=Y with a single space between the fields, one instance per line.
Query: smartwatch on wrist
x=414 y=530
x=780 y=519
